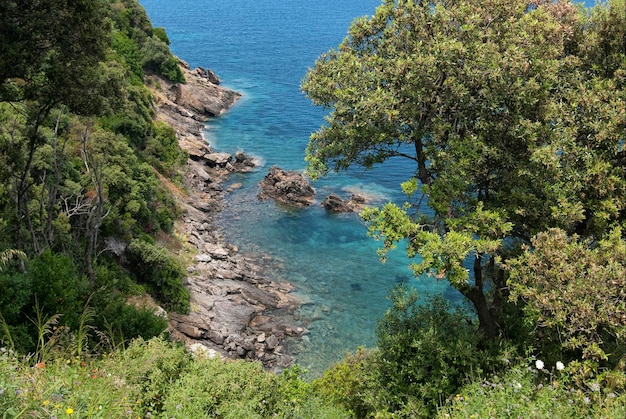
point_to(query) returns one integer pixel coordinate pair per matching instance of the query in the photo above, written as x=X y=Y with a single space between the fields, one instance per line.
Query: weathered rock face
x=187 y=106
x=335 y=203
x=287 y=187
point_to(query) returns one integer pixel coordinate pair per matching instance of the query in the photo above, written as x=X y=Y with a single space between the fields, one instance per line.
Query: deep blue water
x=263 y=49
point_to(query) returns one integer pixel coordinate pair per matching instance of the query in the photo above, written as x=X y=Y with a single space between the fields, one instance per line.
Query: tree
x=492 y=101
x=52 y=56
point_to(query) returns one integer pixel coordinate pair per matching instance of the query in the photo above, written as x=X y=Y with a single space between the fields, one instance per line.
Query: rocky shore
x=235 y=311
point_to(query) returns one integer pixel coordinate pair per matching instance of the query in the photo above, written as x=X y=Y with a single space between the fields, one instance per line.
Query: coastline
x=235 y=311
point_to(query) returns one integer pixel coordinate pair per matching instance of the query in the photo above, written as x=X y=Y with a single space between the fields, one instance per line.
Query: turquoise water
x=263 y=49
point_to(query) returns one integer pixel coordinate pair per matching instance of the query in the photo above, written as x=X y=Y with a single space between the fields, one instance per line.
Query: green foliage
x=524 y=392
x=158 y=59
x=427 y=352
x=160 y=33
x=508 y=113
x=162 y=149
x=128 y=54
x=355 y=384
x=155 y=267
x=573 y=292
x=214 y=388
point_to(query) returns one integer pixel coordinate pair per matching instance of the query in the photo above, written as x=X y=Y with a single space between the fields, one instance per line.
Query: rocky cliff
x=236 y=311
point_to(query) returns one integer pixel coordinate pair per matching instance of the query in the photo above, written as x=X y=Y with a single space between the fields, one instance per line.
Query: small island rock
x=287 y=187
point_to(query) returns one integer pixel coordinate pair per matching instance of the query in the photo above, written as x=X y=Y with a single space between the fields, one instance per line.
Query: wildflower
x=46 y=402
x=560 y=366
x=40 y=365
x=69 y=410
x=539 y=364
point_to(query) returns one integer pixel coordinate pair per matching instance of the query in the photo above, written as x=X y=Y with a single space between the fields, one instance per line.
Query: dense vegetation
x=514 y=113
x=79 y=154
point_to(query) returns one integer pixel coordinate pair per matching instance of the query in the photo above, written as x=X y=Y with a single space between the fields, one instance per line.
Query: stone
x=198 y=350
x=203 y=257
x=286 y=187
x=189 y=330
x=271 y=342
x=334 y=203
x=217 y=159
x=228 y=314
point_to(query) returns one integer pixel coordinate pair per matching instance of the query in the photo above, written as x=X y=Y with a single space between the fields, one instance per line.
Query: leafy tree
x=507 y=110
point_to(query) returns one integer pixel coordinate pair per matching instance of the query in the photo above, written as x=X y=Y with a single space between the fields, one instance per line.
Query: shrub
x=215 y=388
x=525 y=391
x=155 y=267
x=427 y=352
x=354 y=384
x=161 y=34
x=298 y=398
x=162 y=149
x=151 y=370
x=158 y=59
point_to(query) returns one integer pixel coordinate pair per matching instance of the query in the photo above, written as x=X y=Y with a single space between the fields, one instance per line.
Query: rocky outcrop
x=286 y=187
x=335 y=203
x=186 y=107
x=235 y=311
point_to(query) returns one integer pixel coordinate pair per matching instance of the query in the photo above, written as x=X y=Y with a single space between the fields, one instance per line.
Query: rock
x=287 y=187
x=233 y=316
x=203 y=257
x=204 y=101
x=217 y=159
x=212 y=77
x=227 y=315
x=216 y=251
x=334 y=203
x=189 y=330
x=271 y=342
x=199 y=350
x=358 y=199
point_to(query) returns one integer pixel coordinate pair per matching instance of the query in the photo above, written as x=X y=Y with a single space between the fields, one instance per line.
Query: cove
x=263 y=50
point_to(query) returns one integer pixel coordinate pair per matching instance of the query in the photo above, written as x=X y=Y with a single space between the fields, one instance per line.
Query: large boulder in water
x=287 y=187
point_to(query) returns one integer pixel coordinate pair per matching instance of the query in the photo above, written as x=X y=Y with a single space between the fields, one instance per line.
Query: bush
x=162 y=149
x=354 y=384
x=427 y=352
x=158 y=59
x=214 y=388
x=525 y=391
x=154 y=266
x=161 y=34
x=151 y=370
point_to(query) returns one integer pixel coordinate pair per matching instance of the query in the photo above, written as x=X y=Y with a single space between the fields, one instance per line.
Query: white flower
x=539 y=364
x=560 y=366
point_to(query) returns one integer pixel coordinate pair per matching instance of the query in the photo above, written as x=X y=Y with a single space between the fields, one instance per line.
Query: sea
x=263 y=50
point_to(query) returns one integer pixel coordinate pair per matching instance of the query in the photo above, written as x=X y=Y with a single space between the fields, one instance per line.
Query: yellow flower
x=46 y=402
x=69 y=410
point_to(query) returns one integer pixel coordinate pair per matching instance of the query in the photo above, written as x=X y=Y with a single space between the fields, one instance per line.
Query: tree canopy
x=79 y=148
x=513 y=112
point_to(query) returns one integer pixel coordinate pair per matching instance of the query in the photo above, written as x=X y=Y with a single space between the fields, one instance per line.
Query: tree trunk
x=476 y=294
